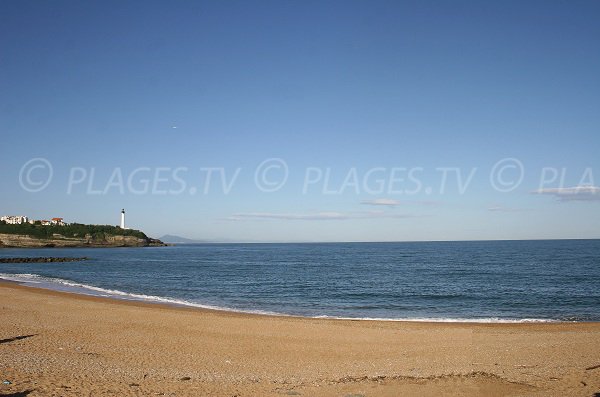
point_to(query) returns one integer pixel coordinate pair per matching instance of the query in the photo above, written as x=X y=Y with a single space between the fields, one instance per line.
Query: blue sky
x=367 y=92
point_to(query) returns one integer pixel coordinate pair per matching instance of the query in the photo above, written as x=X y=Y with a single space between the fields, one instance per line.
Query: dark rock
x=41 y=260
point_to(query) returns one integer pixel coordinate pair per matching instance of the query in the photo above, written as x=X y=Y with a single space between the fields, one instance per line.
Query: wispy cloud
x=576 y=193
x=387 y=202
x=500 y=208
x=316 y=216
x=382 y=201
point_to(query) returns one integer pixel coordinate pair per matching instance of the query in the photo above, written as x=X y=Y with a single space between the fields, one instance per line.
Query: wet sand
x=59 y=344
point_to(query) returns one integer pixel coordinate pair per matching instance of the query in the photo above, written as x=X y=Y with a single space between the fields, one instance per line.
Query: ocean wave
x=86 y=289
x=63 y=285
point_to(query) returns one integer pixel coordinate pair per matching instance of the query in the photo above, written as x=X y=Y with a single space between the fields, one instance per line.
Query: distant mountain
x=171 y=239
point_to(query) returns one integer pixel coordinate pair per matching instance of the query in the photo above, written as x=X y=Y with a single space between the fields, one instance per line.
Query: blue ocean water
x=444 y=281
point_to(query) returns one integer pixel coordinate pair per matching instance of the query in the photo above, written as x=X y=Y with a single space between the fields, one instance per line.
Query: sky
x=275 y=121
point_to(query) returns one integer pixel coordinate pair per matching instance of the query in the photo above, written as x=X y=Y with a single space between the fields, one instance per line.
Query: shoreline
x=24 y=240
x=71 y=344
x=241 y=313
x=174 y=302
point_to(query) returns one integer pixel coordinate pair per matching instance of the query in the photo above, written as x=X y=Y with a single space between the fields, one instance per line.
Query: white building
x=57 y=222
x=14 y=219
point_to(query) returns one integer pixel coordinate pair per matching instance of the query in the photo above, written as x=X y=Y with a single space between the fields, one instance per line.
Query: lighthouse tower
x=123 y=218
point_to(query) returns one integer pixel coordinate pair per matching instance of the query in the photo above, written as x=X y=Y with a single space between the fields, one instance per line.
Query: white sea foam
x=486 y=320
x=86 y=289
x=20 y=278
x=74 y=287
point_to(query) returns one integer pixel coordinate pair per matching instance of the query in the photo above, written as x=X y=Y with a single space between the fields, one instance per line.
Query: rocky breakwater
x=57 y=240
x=45 y=259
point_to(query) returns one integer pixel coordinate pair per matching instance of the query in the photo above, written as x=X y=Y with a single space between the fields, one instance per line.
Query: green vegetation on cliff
x=98 y=232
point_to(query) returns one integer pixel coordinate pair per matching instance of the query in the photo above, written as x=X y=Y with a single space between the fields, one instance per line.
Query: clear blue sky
x=344 y=85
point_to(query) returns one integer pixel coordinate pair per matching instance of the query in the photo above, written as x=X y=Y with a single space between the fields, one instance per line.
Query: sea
x=473 y=281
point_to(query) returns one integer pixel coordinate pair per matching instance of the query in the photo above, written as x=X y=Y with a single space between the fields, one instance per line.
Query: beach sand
x=59 y=344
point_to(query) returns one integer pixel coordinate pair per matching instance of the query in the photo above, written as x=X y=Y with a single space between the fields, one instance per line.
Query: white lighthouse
x=123 y=218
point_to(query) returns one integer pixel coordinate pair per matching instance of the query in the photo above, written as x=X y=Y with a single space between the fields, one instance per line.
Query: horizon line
x=376 y=242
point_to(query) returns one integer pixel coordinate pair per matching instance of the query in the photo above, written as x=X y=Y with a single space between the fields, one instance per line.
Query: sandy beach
x=59 y=344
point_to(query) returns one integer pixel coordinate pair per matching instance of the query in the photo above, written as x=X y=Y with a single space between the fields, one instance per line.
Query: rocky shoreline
x=58 y=241
x=45 y=259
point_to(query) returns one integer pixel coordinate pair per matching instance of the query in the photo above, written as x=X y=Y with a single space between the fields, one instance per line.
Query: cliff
x=58 y=240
